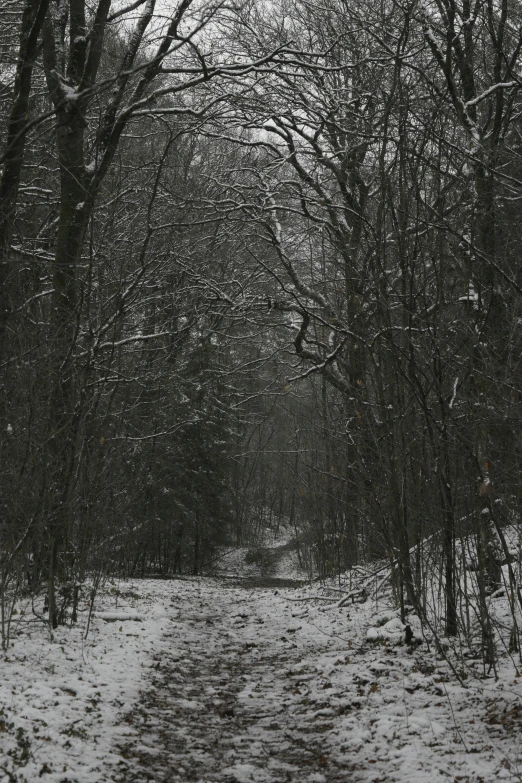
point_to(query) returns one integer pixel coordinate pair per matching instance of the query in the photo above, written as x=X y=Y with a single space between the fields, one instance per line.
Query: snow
x=217 y=679
x=472 y=295
x=65 y=699
x=111 y=617
x=69 y=93
x=393 y=630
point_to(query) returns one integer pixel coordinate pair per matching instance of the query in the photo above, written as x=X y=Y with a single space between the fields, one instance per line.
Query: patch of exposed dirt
x=267 y=582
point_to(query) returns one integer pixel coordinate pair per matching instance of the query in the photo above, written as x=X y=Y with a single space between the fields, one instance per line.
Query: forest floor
x=240 y=678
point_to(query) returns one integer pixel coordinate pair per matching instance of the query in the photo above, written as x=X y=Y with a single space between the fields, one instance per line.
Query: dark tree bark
x=33 y=17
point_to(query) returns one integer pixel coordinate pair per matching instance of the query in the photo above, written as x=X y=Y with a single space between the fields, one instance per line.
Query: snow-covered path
x=225 y=702
x=255 y=684
x=242 y=678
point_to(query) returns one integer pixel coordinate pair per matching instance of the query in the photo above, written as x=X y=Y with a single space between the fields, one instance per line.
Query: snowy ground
x=222 y=681
x=62 y=702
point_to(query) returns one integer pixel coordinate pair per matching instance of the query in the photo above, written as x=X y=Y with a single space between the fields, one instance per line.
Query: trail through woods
x=223 y=706
x=255 y=685
x=245 y=677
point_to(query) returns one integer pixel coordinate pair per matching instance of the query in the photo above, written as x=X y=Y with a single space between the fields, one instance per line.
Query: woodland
x=259 y=265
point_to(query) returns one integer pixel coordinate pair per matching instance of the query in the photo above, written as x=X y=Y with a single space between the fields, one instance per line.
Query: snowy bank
x=63 y=702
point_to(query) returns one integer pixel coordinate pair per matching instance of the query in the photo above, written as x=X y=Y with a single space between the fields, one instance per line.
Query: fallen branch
x=112 y=617
x=311 y=598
